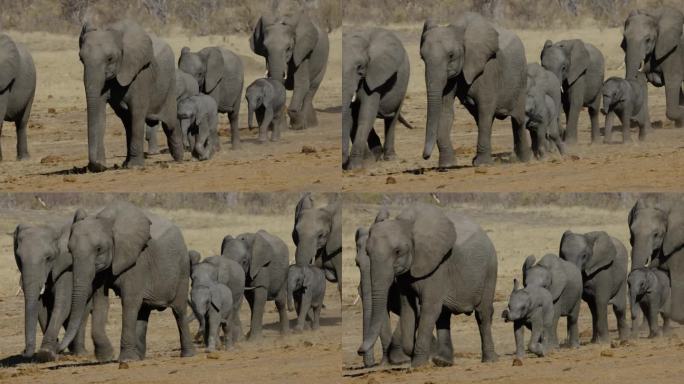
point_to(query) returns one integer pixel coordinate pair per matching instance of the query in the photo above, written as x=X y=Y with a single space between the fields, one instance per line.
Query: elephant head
x=548 y=274
x=416 y=243
x=567 y=59
x=204 y=277
x=316 y=230
x=258 y=94
x=656 y=231
x=9 y=62
x=614 y=91
x=640 y=281
x=590 y=252
x=298 y=278
x=649 y=36
x=454 y=51
x=252 y=251
x=519 y=304
x=206 y=66
x=109 y=243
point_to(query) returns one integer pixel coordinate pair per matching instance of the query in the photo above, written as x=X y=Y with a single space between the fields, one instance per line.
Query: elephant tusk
x=354 y=98
x=641 y=66
x=356 y=300
x=42 y=289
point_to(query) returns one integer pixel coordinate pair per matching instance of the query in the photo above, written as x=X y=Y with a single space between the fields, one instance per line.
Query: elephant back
x=9 y=61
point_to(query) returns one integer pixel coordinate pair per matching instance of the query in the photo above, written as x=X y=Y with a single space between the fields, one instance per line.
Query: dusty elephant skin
x=266 y=99
x=542 y=110
x=305 y=293
x=649 y=290
x=199 y=121
x=628 y=99
x=530 y=307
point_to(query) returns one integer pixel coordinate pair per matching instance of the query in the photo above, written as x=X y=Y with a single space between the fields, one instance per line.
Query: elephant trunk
x=349 y=86
x=634 y=60
x=31 y=288
x=380 y=284
x=634 y=307
x=95 y=102
x=306 y=251
x=291 y=287
x=277 y=68
x=435 y=79
x=79 y=297
x=366 y=303
x=642 y=250
x=250 y=115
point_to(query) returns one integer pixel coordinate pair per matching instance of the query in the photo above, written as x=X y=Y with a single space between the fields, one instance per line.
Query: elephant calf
x=649 y=288
x=212 y=303
x=530 y=307
x=628 y=99
x=266 y=98
x=542 y=110
x=199 y=119
x=306 y=288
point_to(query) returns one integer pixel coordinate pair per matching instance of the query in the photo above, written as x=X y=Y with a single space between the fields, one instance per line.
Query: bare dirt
x=301 y=358
x=58 y=141
x=652 y=165
x=516 y=233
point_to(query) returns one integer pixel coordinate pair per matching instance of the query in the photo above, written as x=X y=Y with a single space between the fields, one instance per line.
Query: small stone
x=52 y=111
x=517 y=362
x=174 y=371
x=51 y=159
x=123 y=365
x=574 y=157
x=69 y=179
x=308 y=149
x=390 y=180
x=213 y=355
x=607 y=353
x=307 y=343
x=481 y=170
x=615 y=343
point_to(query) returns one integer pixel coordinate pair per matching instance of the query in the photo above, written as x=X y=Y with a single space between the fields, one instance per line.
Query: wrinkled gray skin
x=296 y=52
x=305 y=293
x=649 y=289
x=625 y=99
x=542 y=110
x=530 y=307
x=654 y=45
x=17 y=88
x=580 y=68
x=199 y=120
x=266 y=98
x=212 y=304
x=657 y=236
x=564 y=281
x=264 y=259
x=219 y=73
x=317 y=233
x=135 y=74
x=375 y=75
x=443 y=265
x=485 y=67
x=603 y=262
x=120 y=248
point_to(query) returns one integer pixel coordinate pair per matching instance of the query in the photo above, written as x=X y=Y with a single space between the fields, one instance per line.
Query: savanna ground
x=307 y=357
x=518 y=226
x=652 y=165
x=57 y=134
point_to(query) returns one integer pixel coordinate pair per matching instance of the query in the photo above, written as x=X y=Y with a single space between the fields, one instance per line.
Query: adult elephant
x=375 y=75
x=657 y=238
x=264 y=258
x=485 y=67
x=442 y=265
x=135 y=74
x=296 y=52
x=317 y=233
x=144 y=259
x=580 y=68
x=654 y=44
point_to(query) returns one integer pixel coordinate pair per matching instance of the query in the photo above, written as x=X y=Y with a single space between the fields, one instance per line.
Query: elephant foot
x=537 y=350
x=354 y=164
x=490 y=357
x=390 y=156
x=23 y=157
x=209 y=349
x=78 y=350
x=369 y=359
x=419 y=361
x=253 y=337
x=679 y=123
x=397 y=356
x=105 y=353
x=446 y=162
x=134 y=163
x=482 y=159
x=262 y=140
x=443 y=361
x=653 y=335
x=129 y=355
x=188 y=352
x=152 y=152
x=96 y=167
x=28 y=353
x=298 y=329
x=46 y=355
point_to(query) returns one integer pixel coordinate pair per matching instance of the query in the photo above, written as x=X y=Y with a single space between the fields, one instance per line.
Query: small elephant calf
x=530 y=307
x=629 y=100
x=542 y=110
x=266 y=99
x=306 y=287
x=198 y=117
x=213 y=304
x=649 y=288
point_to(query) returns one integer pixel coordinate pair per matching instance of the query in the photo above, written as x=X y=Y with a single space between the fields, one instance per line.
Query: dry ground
x=517 y=233
x=58 y=142
x=633 y=167
x=276 y=359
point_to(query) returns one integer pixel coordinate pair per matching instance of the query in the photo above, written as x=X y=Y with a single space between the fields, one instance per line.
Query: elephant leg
x=485 y=118
x=309 y=111
x=103 y=347
x=390 y=128
x=602 y=335
x=407 y=324
x=302 y=86
x=22 y=135
x=447 y=156
x=227 y=334
x=608 y=129
x=484 y=315
x=445 y=349
x=281 y=306
x=77 y=345
x=368 y=112
x=521 y=145
x=213 y=322
x=644 y=119
x=1 y=123
x=593 y=110
x=257 y=306
x=265 y=125
x=337 y=265
x=675 y=265
x=430 y=311
x=58 y=318
x=620 y=309
x=572 y=109
x=151 y=137
x=536 y=346
x=652 y=317
x=519 y=333
x=141 y=330
x=573 y=328
x=666 y=324
x=591 y=303
x=673 y=109
x=234 y=118
x=316 y=318
x=135 y=134
x=625 y=118
x=394 y=351
x=131 y=303
x=178 y=307
x=237 y=323
x=375 y=145
x=553 y=337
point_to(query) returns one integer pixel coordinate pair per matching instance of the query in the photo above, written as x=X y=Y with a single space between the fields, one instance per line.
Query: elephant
x=17 y=89
x=199 y=119
x=296 y=52
x=657 y=236
x=317 y=234
x=266 y=98
x=264 y=259
x=563 y=280
x=542 y=110
x=531 y=307
x=625 y=99
x=213 y=305
x=135 y=74
x=654 y=45
x=375 y=77
x=305 y=293
x=120 y=248
x=603 y=262
x=220 y=74
x=580 y=68
x=649 y=288
x=485 y=67
x=444 y=265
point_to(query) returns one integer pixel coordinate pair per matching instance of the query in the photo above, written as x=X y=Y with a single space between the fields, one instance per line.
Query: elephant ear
x=256 y=41
x=137 y=50
x=559 y=280
x=130 y=234
x=306 y=38
x=602 y=255
x=579 y=60
x=215 y=67
x=635 y=209
x=64 y=260
x=9 y=61
x=306 y=202
x=334 y=243
x=669 y=32
x=383 y=214
x=529 y=263
x=262 y=251
x=674 y=236
x=481 y=42
x=433 y=235
x=194 y=257
x=225 y=242
x=385 y=56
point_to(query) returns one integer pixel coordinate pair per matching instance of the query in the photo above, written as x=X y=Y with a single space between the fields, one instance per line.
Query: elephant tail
x=405 y=122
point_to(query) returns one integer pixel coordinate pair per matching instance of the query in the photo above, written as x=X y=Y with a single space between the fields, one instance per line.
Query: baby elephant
x=199 y=119
x=542 y=110
x=266 y=99
x=213 y=304
x=629 y=100
x=530 y=307
x=306 y=287
x=649 y=288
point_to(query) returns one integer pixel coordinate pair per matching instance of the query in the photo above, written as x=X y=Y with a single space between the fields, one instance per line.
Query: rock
x=213 y=355
x=51 y=159
x=123 y=365
x=52 y=111
x=390 y=180
x=607 y=353
x=308 y=149
x=517 y=362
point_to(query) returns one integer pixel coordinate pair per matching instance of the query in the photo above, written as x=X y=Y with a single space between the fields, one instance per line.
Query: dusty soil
x=516 y=233
x=58 y=142
x=275 y=359
x=632 y=167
